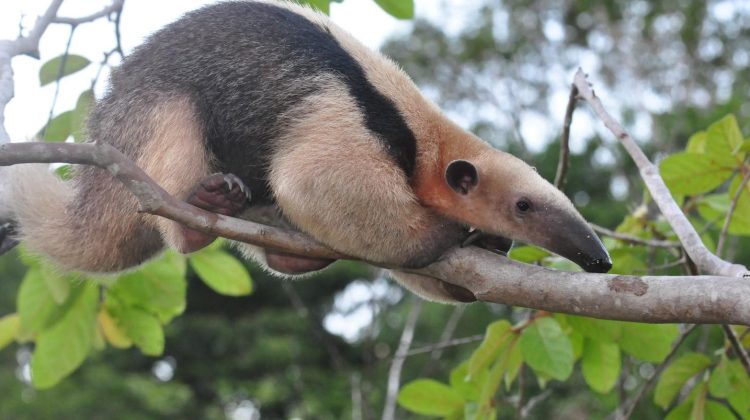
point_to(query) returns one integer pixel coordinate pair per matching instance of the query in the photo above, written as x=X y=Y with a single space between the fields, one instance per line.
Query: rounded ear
x=462 y=176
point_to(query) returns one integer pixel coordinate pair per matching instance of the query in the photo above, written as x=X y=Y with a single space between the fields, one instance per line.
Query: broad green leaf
x=629 y=260
x=115 y=336
x=648 y=342
x=697 y=143
x=595 y=329
x=158 y=287
x=80 y=113
x=51 y=69
x=467 y=387
x=600 y=365
x=699 y=403
x=739 y=398
x=59 y=128
x=515 y=361
x=740 y=223
x=140 y=326
x=58 y=285
x=430 y=397
x=692 y=173
x=722 y=138
x=720 y=382
x=676 y=375
x=744 y=147
x=576 y=343
x=494 y=378
x=222 y=272
x=62 y=347
x=401 y=9
x=528 y=254
x=547 y=349
x=9 y=326
x=681 y=412
x=716 y=411
x=498 y=335
x=35 y=303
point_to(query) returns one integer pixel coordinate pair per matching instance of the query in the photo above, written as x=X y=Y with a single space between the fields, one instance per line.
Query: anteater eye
x=523 y=205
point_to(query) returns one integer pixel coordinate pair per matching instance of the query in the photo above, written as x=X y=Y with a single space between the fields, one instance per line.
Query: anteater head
x=502 y=195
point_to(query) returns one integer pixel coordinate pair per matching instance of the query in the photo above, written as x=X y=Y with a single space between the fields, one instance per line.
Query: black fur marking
x=245 y=64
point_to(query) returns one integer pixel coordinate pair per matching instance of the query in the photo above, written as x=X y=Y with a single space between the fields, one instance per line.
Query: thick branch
x=691 y=241
x=690 y=299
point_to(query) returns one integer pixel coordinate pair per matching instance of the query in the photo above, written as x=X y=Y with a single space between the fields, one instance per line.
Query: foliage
x=551 y=346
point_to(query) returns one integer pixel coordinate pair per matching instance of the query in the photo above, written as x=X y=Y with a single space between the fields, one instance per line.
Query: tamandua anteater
x=273 y=101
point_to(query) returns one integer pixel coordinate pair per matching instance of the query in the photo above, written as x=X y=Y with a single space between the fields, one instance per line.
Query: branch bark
x=691 y=241
x=492 y=278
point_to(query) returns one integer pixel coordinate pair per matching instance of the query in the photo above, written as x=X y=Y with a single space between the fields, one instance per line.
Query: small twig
x=115 y=7
x=521 y=385
x=675 y=263
x=659 y=369
x=445 y=344
x=691 y=241
x=732 y=207
x=118 y=37
x=450 y=328
x=533 y=401
x=737 y=347
x=394 y=374
x=656 y=243
x=562 y=163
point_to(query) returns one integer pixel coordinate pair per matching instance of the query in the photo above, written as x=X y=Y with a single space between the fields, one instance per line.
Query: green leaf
x=62 y=347
x=467 y=387
x=600 y=365
x=720 y=382
x=59 y=128
x=80 y=113
x=401 y=9
x=515 y=361
x=681 y=412
x=158 y=287
x=629 y=260
x=722 y=138
x=740 y=223
x=648 y=342
x=430 y=397
x=716 y=411
x=697 y=143
x=321 y=5
x=58 y=285
x=51 y=69
x=498 y=335
x=9 y=326
x=739 y=398
x=744 y=147
x=115 y=336
x=222 y=272
x=140 y=326
x=494 y=378
x=35 y=302
x=595 y=329
x=528 y=254
x=676 y=375
x=692 y=173
x=547 y=349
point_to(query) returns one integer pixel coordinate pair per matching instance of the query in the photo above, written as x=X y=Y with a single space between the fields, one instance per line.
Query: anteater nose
x=598 y=265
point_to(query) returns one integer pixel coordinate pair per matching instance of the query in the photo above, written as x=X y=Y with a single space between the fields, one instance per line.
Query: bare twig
x=450 y=328
x=445 y=344
x=490 y=277
x=60 y=74
x=634 y=239
x=562 y=163
x=394 y=374
x=691 y=241
x=732 y=207
x=737 y=347
x=115 y=7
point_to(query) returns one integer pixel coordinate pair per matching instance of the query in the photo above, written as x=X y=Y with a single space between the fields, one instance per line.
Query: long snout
x=569 y=236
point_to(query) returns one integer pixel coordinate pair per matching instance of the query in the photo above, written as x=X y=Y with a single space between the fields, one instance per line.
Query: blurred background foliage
x=322 y=348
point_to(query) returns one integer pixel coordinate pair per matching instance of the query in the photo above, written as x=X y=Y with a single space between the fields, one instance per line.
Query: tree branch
x=115 y=7
x=492 y=278
x=562 y=163
x=730 y=212
x=394 y=374
x=691 y=241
